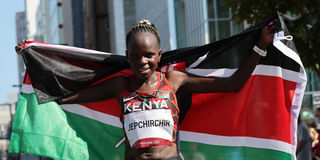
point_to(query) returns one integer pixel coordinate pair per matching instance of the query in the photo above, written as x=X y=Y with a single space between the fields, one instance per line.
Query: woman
x=149 y=108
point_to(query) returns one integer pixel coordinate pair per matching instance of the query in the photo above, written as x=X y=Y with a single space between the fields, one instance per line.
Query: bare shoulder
x=176 y=79
x=176 y=75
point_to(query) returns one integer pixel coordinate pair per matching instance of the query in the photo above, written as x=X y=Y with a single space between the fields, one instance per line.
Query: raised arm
x=181 y=81
x=110 y=88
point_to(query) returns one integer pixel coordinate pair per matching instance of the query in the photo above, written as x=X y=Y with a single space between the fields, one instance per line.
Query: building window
x=179 y=8
x=220 y=22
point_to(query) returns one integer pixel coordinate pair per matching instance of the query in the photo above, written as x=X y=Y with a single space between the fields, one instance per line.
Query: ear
x=160 y=54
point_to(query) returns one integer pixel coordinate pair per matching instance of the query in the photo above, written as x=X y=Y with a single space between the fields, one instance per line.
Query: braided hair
x=143 y=26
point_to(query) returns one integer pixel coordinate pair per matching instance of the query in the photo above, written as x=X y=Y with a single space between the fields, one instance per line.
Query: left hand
x=20 y=46
x=267 y=34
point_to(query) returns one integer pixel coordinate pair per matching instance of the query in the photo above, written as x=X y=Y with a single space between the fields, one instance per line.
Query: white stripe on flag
x=299 y=91
x=223 y=72
x=265 y=70
x=70 y=48
x=92 y=114
x=164 y=69
x=171 y=67
x=237 y=141
x=27 y=88
x=197 y=62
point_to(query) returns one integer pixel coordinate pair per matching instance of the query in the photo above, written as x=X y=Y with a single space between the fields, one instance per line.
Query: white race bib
x=156 y=123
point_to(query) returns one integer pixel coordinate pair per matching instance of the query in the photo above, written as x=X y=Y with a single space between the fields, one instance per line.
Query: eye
x=149 y=55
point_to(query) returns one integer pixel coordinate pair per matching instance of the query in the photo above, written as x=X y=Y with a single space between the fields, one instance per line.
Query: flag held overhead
x=258 y=120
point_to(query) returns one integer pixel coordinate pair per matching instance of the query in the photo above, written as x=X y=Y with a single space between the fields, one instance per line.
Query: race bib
x=149 y=128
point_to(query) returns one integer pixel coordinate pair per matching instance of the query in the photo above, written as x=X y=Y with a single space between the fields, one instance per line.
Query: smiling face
x=143 y=54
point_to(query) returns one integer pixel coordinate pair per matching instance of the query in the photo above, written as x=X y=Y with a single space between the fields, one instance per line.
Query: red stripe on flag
x=180 y=67
x=261 y=109
x=26 y=79
x=110 y=106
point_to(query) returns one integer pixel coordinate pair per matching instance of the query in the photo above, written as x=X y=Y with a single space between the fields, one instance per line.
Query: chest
x=149 y=118
x=135 y=102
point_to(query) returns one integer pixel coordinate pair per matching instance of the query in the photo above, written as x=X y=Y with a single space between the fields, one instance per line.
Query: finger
x=272 y=28
x=273 y=22
x=18 y=50
x=272 y=25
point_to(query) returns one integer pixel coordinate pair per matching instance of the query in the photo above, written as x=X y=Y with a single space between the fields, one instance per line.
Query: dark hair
x=143 y=26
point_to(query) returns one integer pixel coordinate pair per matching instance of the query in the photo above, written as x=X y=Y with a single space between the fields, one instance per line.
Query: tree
x=300 y=16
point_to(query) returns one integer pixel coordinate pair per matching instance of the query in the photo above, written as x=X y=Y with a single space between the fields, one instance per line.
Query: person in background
x=317 y=117
x=314 y=140
x=303 y=151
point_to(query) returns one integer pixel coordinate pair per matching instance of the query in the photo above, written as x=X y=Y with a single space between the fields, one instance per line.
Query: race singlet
x=150 y=119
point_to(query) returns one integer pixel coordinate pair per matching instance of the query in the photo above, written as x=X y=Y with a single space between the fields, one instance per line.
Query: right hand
x=20 y=46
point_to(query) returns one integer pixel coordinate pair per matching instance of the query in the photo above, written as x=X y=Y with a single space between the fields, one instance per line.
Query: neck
x=138 y=82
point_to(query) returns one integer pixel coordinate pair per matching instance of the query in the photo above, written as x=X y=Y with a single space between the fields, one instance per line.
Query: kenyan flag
x=258 y=122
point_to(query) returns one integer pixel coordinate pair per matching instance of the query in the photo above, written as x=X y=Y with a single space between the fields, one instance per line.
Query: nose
x=143 y=60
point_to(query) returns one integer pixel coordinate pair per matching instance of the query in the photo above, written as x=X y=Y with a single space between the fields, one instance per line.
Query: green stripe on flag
x=101 y=138
x=199 y=151
x=47 y=130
